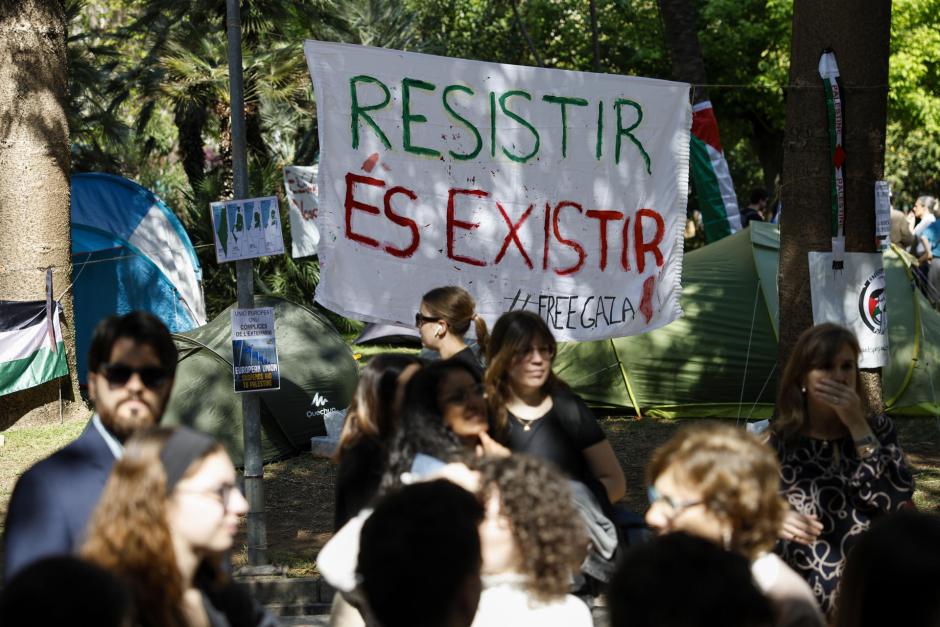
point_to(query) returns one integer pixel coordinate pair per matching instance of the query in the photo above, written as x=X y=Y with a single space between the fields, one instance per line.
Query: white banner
x=300 y=187
x=559 y=192
x=855 y=298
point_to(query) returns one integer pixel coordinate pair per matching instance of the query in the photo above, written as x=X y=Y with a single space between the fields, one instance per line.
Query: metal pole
x=251 y=407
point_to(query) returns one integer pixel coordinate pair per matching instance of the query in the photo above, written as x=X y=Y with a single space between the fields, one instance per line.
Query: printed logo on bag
x=871 y=302
x=319 y=406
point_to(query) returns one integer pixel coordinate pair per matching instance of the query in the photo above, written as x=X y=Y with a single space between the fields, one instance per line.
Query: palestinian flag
x=716 y=199
x=31 y=347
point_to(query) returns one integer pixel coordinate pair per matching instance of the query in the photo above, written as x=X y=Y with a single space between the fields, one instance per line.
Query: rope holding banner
x=829 y=72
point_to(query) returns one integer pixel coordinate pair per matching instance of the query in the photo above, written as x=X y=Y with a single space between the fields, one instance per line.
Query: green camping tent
x=318 y=375
x=720 y=358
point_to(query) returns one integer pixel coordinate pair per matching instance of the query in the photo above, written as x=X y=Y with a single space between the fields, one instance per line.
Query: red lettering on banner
x=453 y=222
x=352 y=203
x=513 y=235
x=548 y=214
x=567 y=242
x=401 y=220
x=641 y=247
x=625 y=251
x=603 y=217
x=646 y=303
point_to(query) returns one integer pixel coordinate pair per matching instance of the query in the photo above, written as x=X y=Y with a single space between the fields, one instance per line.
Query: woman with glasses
x=443 y=417
x=534 y=412
x=840 y=467
x=169 y=511
x=720 y=483
x=444 y=318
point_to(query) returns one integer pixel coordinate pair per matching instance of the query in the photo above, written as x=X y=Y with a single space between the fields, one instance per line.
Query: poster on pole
x=254 y=350
x=853 y=297
x=562 y=193
x=300 y=187
x=246 y=229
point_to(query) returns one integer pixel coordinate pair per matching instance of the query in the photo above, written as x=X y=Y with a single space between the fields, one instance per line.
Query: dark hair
x=548 y=532
x=758 y=194
x=513 y=332
x=896 y=559
x=141 y=326
x=679 y=580
x=421 y=428
x=456 y=306
x=84 y=594
x=372 y=412
x=816 y=347
x=417 y=550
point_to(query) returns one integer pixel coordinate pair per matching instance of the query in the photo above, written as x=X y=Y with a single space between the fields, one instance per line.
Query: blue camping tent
x=129 y=252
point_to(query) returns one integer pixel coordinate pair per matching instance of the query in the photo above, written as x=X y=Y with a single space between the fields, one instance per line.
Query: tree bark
x=34 y=185
x=679 y=24
x=190 y=120
x=860 y=40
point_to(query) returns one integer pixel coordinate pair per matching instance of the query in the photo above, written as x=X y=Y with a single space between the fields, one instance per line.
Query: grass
x=299 y=491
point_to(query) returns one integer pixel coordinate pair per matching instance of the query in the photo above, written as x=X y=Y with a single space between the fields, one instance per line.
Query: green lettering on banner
x=564 y=101
x=520 y=120
x=627 y=131
x=492 y=124
x=462 y=120
x=599 y=149
x=407 y=117
x=356 y=111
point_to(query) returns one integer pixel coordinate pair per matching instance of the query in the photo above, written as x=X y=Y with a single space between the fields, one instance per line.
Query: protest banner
x=853 y=297
x=300 y=187
x=254 y=350
x=563 y=193
x=246 y=229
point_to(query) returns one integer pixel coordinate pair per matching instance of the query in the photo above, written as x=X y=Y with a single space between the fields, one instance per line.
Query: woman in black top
x=369 y=424
x=444 y=318
x=534 y=412
x=840 y=467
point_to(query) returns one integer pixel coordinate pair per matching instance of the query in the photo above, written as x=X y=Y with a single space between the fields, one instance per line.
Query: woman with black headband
x=169 y=511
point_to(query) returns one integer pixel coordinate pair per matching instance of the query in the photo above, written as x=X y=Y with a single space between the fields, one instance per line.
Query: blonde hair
x=457 y=308
x=129 y=535
x=737 y=475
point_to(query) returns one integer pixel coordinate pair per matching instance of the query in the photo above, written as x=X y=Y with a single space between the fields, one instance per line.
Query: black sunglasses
x=120 y=374
x=421 y=319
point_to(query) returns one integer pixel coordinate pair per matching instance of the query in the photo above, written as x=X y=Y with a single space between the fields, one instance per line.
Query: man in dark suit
x=131 y=363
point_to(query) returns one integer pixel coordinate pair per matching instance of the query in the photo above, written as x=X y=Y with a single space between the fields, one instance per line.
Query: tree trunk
x=190 y=120
x=679 y=25
x=860 y=40
x=34 y=185
x=768 y=145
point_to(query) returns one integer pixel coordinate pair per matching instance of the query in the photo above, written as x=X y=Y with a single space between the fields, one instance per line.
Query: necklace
x=525 y=424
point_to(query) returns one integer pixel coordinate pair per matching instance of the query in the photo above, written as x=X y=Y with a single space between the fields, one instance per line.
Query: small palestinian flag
x=31 y=347
x=710 y=174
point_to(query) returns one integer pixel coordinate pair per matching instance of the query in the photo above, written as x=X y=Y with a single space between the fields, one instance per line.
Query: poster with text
x=562 y=193
x=300 y=187
x=254 y=350
x=245 y=229
x=853 y=297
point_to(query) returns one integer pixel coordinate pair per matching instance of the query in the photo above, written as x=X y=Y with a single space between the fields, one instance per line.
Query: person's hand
x=800 y=528
x=844 y=401
x=490 y=447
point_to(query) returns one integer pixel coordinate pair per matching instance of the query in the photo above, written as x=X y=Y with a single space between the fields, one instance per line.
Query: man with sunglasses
x=131 y=363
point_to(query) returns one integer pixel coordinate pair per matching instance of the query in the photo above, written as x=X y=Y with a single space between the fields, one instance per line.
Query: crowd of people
x=479 y=489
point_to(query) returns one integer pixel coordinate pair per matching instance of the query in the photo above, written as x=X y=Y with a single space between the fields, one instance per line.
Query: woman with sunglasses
x=444 y=318
x=169 y=511
x=720 y=483
x=534 y=412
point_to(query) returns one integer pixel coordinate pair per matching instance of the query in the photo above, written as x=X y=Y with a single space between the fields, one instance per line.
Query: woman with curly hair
x=443 y=319
x=840 y=468
x=370 y=421
x=169 y=510
x=534 y=411
x=721 y=483
x=443 y=417
x=532 y=542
